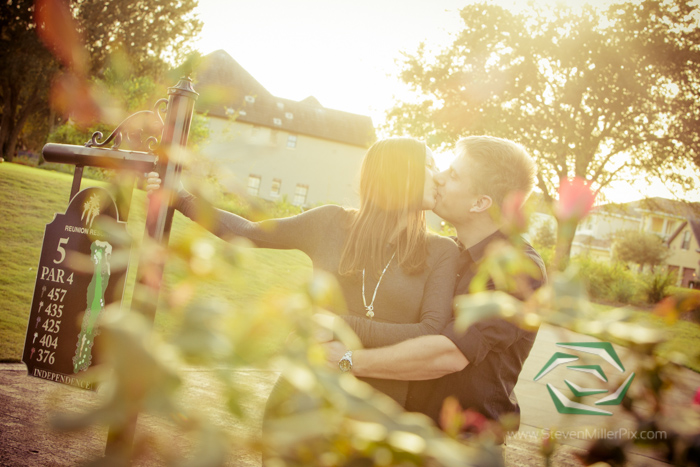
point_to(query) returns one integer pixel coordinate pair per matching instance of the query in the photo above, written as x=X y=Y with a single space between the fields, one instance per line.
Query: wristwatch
x=345 y=363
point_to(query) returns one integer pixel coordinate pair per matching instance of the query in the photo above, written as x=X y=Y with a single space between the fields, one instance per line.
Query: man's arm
x=421 y=358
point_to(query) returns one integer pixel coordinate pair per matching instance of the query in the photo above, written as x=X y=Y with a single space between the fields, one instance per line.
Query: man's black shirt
x=495 y=348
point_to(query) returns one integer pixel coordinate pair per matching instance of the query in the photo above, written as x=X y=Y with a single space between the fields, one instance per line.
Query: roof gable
x=227 y=89
x=694 y=227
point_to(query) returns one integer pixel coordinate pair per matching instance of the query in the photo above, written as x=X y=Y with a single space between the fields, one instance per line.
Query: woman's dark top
x=416 y=304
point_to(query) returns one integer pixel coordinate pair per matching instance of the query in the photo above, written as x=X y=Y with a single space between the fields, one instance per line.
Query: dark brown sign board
x=82 y=270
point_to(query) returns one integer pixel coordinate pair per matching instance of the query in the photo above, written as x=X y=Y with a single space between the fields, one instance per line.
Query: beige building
x=274 y=147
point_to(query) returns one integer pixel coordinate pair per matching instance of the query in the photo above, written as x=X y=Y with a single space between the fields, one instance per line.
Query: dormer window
x=277 y=121
x=280 y=105
x=242 y=113
x=250 y=99
x=289 y=115
x=230 y=110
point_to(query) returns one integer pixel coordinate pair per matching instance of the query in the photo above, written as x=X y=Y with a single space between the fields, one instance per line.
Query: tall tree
x=144 y=37
x=592 y=93
x=26 y=68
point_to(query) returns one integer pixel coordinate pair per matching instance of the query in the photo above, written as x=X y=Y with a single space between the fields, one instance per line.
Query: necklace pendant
x=370 y=311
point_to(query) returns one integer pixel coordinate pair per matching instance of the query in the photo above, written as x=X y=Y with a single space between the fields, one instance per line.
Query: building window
x=657 y=224
x=250 y=99
x=685 y=245
x=292 y=141
x=254 y=185
x=277 y=121
x=300 y=195
x=289 y=115
x=280 y=105
x=275 y=187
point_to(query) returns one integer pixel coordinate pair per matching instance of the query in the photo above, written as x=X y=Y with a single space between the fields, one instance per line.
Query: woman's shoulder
x=439 y=244
x=330 y=213
x=331 y=210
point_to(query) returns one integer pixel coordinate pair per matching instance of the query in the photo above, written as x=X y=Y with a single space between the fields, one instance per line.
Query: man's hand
x=323 y=327
x=334 y=352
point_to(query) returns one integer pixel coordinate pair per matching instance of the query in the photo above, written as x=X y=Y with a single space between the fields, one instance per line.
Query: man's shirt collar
x=478 y=250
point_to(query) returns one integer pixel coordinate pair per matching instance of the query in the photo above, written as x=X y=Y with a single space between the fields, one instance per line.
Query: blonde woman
x=389 y=267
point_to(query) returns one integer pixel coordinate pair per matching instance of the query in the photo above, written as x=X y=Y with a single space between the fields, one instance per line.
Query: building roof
x=658 y=205
x=227 y=90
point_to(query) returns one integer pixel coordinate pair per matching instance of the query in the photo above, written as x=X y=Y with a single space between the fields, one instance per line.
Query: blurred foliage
x=81 y=40
x=333 y=419
x=597 y=93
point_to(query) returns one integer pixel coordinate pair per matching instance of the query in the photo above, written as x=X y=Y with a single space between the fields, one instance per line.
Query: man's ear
x=482 y=203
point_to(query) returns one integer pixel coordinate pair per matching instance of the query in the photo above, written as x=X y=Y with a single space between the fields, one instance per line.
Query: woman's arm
x=436 y=307
x=297 y=232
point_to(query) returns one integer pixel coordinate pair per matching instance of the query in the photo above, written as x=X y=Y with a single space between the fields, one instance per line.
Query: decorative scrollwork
x=133 y=128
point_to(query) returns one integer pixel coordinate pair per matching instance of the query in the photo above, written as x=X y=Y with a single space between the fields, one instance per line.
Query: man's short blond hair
x=498 y=166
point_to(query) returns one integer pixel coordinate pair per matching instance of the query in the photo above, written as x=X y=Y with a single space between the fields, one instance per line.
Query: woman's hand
x=152 y=183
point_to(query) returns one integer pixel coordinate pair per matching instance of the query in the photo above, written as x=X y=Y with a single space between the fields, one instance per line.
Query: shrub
x=658 y=284
x=611 y=281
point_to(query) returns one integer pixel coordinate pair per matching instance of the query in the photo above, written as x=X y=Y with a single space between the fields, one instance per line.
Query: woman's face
x=430 y=188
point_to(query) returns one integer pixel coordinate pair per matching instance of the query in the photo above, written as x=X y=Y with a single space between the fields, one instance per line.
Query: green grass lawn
x=30 y=197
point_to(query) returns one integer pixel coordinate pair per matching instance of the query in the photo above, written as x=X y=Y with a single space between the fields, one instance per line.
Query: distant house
x=275 y=147
x=684 y=246
x=675 y=222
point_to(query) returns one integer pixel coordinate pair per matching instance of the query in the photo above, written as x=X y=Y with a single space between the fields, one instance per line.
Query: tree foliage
x=26 y=68
x=592 y=93
x=146 y=35
x=641 y=248
x=140 y=39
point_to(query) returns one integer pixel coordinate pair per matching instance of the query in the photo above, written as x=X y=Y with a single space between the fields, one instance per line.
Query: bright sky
x=343 y=52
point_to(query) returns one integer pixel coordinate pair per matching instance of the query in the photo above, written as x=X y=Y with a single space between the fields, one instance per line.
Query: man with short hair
x=480 y=366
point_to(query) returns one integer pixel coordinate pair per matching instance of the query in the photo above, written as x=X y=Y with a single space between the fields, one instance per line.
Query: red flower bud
x=575 y=199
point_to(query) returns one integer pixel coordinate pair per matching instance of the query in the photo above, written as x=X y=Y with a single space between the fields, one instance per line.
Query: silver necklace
x=370 y=307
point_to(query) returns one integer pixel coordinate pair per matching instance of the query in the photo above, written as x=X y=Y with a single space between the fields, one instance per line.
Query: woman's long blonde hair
x=391 y=189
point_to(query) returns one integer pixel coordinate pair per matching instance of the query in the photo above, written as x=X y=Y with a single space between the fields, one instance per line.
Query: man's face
x=455 y=196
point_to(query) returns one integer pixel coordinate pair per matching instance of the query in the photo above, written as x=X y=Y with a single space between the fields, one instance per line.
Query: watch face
x=345 y=364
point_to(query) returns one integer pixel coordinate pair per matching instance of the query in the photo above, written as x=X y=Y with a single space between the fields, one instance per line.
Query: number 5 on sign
x=61 y=250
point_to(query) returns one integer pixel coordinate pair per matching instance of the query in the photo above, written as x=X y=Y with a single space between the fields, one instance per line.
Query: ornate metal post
x=181 y=99
x=171 y=151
